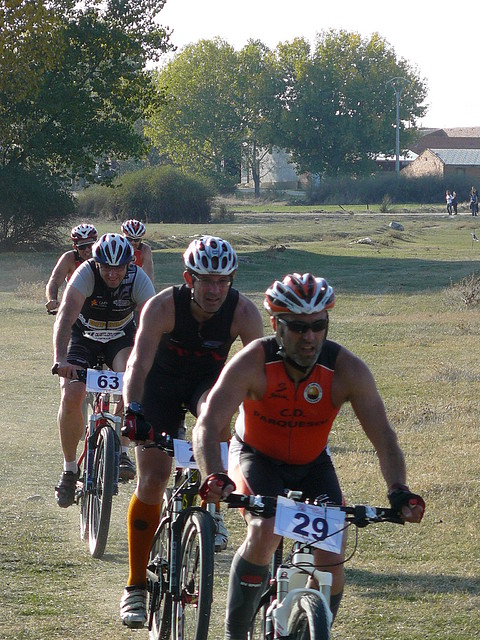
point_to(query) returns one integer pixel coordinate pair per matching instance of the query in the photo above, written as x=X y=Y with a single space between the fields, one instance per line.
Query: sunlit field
x=406 y=303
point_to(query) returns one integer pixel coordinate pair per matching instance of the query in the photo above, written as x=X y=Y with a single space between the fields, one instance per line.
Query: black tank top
x=194 y=348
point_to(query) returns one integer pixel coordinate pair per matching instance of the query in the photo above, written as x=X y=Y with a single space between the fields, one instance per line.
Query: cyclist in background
x=96 y=317
x=181 y=346
x=290 y=388
x=83 y=237
x=133 y=230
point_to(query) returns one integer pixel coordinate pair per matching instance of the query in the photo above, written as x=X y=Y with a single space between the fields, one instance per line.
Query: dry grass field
x=401 y=305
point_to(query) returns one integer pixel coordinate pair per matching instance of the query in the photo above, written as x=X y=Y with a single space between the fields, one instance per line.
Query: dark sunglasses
x=297 y=326
x=133 y=239
x=87 y=245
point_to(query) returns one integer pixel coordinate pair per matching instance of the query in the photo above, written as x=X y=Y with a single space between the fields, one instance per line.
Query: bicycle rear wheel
x=102 y=492
x=159 y=604
x=192 y=613
x=308 y=619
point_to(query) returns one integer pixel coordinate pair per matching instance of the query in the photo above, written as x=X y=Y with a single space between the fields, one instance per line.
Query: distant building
x=453 y=138
x=446 y=163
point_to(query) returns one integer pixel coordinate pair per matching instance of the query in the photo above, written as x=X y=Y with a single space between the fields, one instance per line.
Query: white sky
x=442 y=40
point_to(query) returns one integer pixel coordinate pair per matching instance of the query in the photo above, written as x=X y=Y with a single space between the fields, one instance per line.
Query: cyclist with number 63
x=290 y=388
x=96 y=317
x=181 y=346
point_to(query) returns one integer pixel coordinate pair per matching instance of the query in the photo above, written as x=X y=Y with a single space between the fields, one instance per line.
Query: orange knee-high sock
x=142 y=522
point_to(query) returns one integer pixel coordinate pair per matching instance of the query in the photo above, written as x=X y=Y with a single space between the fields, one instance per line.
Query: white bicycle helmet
x=133 y=229
x=299 y=294
x=83 y=232
x=210 y=255
x=112 y=249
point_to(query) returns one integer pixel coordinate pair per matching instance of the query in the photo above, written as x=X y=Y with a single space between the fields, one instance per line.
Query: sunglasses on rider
x=297 y=326
x=85 y=245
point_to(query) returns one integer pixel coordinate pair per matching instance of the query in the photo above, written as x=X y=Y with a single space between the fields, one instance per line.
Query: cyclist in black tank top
x=181 y=346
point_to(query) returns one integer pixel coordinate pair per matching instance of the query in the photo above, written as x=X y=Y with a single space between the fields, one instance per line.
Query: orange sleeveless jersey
x=291 y=424
x=138 y=260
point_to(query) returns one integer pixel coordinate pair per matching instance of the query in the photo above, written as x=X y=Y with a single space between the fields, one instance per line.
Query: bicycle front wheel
x=309 y=620
x=159 y=605
x=192 y=613
x=102 y=492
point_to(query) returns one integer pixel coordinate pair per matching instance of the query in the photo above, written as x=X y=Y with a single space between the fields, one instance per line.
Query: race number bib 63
x=98 y=381
x=319 y=526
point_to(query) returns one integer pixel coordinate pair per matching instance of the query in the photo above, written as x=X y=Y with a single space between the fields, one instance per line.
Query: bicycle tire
x=84 y=509
x=308 y=619
x=102 y=492
x=191 y=615
x=159 y=602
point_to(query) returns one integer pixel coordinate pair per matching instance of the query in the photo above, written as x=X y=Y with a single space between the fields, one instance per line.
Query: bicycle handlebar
x=359 y=515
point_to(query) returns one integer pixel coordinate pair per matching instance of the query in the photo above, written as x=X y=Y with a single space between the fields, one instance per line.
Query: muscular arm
x=67 y=314
x=247 y=321
x=358 y=387
x=148 y=261
x=65 y=266
x=157 y=318
x=242 y=377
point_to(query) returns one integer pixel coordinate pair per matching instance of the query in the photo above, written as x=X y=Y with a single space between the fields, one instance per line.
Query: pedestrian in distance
x=95 y=317
x=448 y=199
x=474 y=201
x=454 y=203
x=83 y=237
x=289 y=388
x=183 y=342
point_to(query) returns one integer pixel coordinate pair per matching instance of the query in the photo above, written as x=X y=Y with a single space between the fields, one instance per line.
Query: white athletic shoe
x=221 y=532
x=133 y=607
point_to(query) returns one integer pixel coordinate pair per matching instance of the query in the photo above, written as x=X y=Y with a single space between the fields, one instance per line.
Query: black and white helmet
x=112 y=249
x=299 y=294
x=210 y=255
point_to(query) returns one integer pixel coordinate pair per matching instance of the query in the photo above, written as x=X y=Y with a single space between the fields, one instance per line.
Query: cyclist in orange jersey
x=134 y=231
x=289 y=388
x=83 y=237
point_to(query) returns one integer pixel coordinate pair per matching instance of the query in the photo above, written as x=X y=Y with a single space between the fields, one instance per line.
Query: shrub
x=32 y=207
x=155 y=194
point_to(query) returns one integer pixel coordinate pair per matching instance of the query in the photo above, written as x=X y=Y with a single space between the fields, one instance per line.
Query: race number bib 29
x=98 y=381
x=320 y=527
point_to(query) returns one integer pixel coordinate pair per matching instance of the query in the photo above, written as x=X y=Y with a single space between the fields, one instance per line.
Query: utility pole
x=397 y=85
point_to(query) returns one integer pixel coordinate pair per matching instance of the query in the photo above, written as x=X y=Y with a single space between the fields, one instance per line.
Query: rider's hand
x=136 y=427
x=65 y=370
x=52 y=306
x=216 y=486
x=409 y=505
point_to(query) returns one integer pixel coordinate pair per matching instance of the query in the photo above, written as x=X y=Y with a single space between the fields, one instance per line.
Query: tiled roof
x=458 y=156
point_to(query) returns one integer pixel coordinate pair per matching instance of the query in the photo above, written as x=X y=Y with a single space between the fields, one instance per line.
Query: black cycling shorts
x=84 y=352
x=254 y=473
x=166 y=397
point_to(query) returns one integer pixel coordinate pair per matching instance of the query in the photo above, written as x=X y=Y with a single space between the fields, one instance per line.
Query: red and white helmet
x=210 y=255
x=298 y=294
x=112 y=249
x=133 y=229
x=83 y=233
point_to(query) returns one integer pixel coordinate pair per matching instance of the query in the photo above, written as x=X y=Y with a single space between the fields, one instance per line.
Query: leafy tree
x=338 y=112
x=91 y=93
x=257 y=91
x=197 y=126
x=74 y=82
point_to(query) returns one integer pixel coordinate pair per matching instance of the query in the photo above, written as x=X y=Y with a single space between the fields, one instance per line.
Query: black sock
x=246 y=585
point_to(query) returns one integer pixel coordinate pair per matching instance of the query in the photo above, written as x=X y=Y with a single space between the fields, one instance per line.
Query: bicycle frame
x=290 y=581
x=101 y=417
